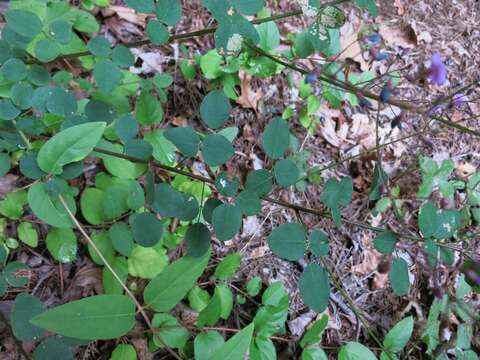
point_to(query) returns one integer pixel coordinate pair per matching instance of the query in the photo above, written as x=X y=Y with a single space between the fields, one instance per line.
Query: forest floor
x=412 y=31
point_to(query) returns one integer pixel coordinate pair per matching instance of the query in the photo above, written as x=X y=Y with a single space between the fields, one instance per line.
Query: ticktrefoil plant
x=144 y=204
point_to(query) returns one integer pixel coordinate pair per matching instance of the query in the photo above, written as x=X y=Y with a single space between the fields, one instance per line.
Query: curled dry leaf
x=248 y=98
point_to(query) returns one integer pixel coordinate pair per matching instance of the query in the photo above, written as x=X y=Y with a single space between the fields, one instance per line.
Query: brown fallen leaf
x=126 y=13
x=400 y=7
x=400 y=35
x=351 y=46
x=248 y=98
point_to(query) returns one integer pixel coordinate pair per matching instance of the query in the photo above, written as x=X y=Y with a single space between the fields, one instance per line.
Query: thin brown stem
x=115 y=275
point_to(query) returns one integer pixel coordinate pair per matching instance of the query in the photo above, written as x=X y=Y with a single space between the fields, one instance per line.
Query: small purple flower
x=437 y=72
x=459 y=100
x=310 y=78
x=374 y=38
x=381 y=56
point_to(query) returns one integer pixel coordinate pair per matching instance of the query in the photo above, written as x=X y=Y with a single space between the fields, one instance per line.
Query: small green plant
x=151 y=224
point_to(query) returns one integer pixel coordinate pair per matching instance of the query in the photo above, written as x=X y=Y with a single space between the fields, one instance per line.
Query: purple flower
x=374 y=38
x=310 y=78
x=459 y=100
x=437 y=72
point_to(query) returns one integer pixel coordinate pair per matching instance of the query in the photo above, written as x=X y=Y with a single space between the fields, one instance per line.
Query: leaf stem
x=115 y=275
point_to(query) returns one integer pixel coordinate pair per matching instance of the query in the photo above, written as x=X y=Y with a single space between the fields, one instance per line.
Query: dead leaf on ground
x=400 y=7
x=351 y=46
x=248 y=98
x=399 y=35
x=126 y=13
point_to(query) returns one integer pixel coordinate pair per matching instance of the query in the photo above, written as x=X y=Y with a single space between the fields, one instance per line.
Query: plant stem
x=115 y=275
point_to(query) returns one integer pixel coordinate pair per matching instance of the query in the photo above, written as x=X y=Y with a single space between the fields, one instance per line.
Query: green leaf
x=104 y=245
x=24 y=23
x=148 y=110
x=85 y=22
x=144 y=6
x=62 y=244
x=225 y=186
x=319 y=243
x=146 y=263
x=259 y=182
x=47 y=50
x=226 y=221
x=313 y=335
x=122 y=238
x=262 y=348
x=8 y=111
x=111 y=285
x=236 y=347
x=228 y=266
x=122 y=56
x=16 y=273
x=206 y=343
x=124 y=352
x=226 y=300
x=197 y=240
x=355 y=351
x=126 y=127
x=215 y=109
x=49 y=209
x=369 y=5
x=269 y=36
x=235 y=24
x=315 y=287
x=147 y=229
x=440 y=224
x=70 y=145
x=99 y=46
x=121 y=168
x=91 y=204
x=4 y=164
x=211 y=313
x=210 y=64
x=288 y=241
x=175 y=337
x=25 y=307
x=185 y=139
x=198 y=298
x=254 y=285
x=157 y=32
x=173 y=283
x=100 y=317
x=169 y=11
x=60 y=101
x=12 y=206
x=286 y=173
x=22 y=94
x=248 y=7
x=14 y=70
x=172 y=203
x=207 y=210
x=61 y=31
x=52 y=348
x=398 y=276
x=336 y=193
x=217 y=150
x=276 y=138
x=385 y=242
x=397 y=338
x=314 y=353
x=27 y=234
x=107 y=76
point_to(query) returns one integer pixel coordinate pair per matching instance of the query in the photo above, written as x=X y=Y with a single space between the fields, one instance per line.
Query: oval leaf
x=70 y=145
x=315 y=287
x=99 y=317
